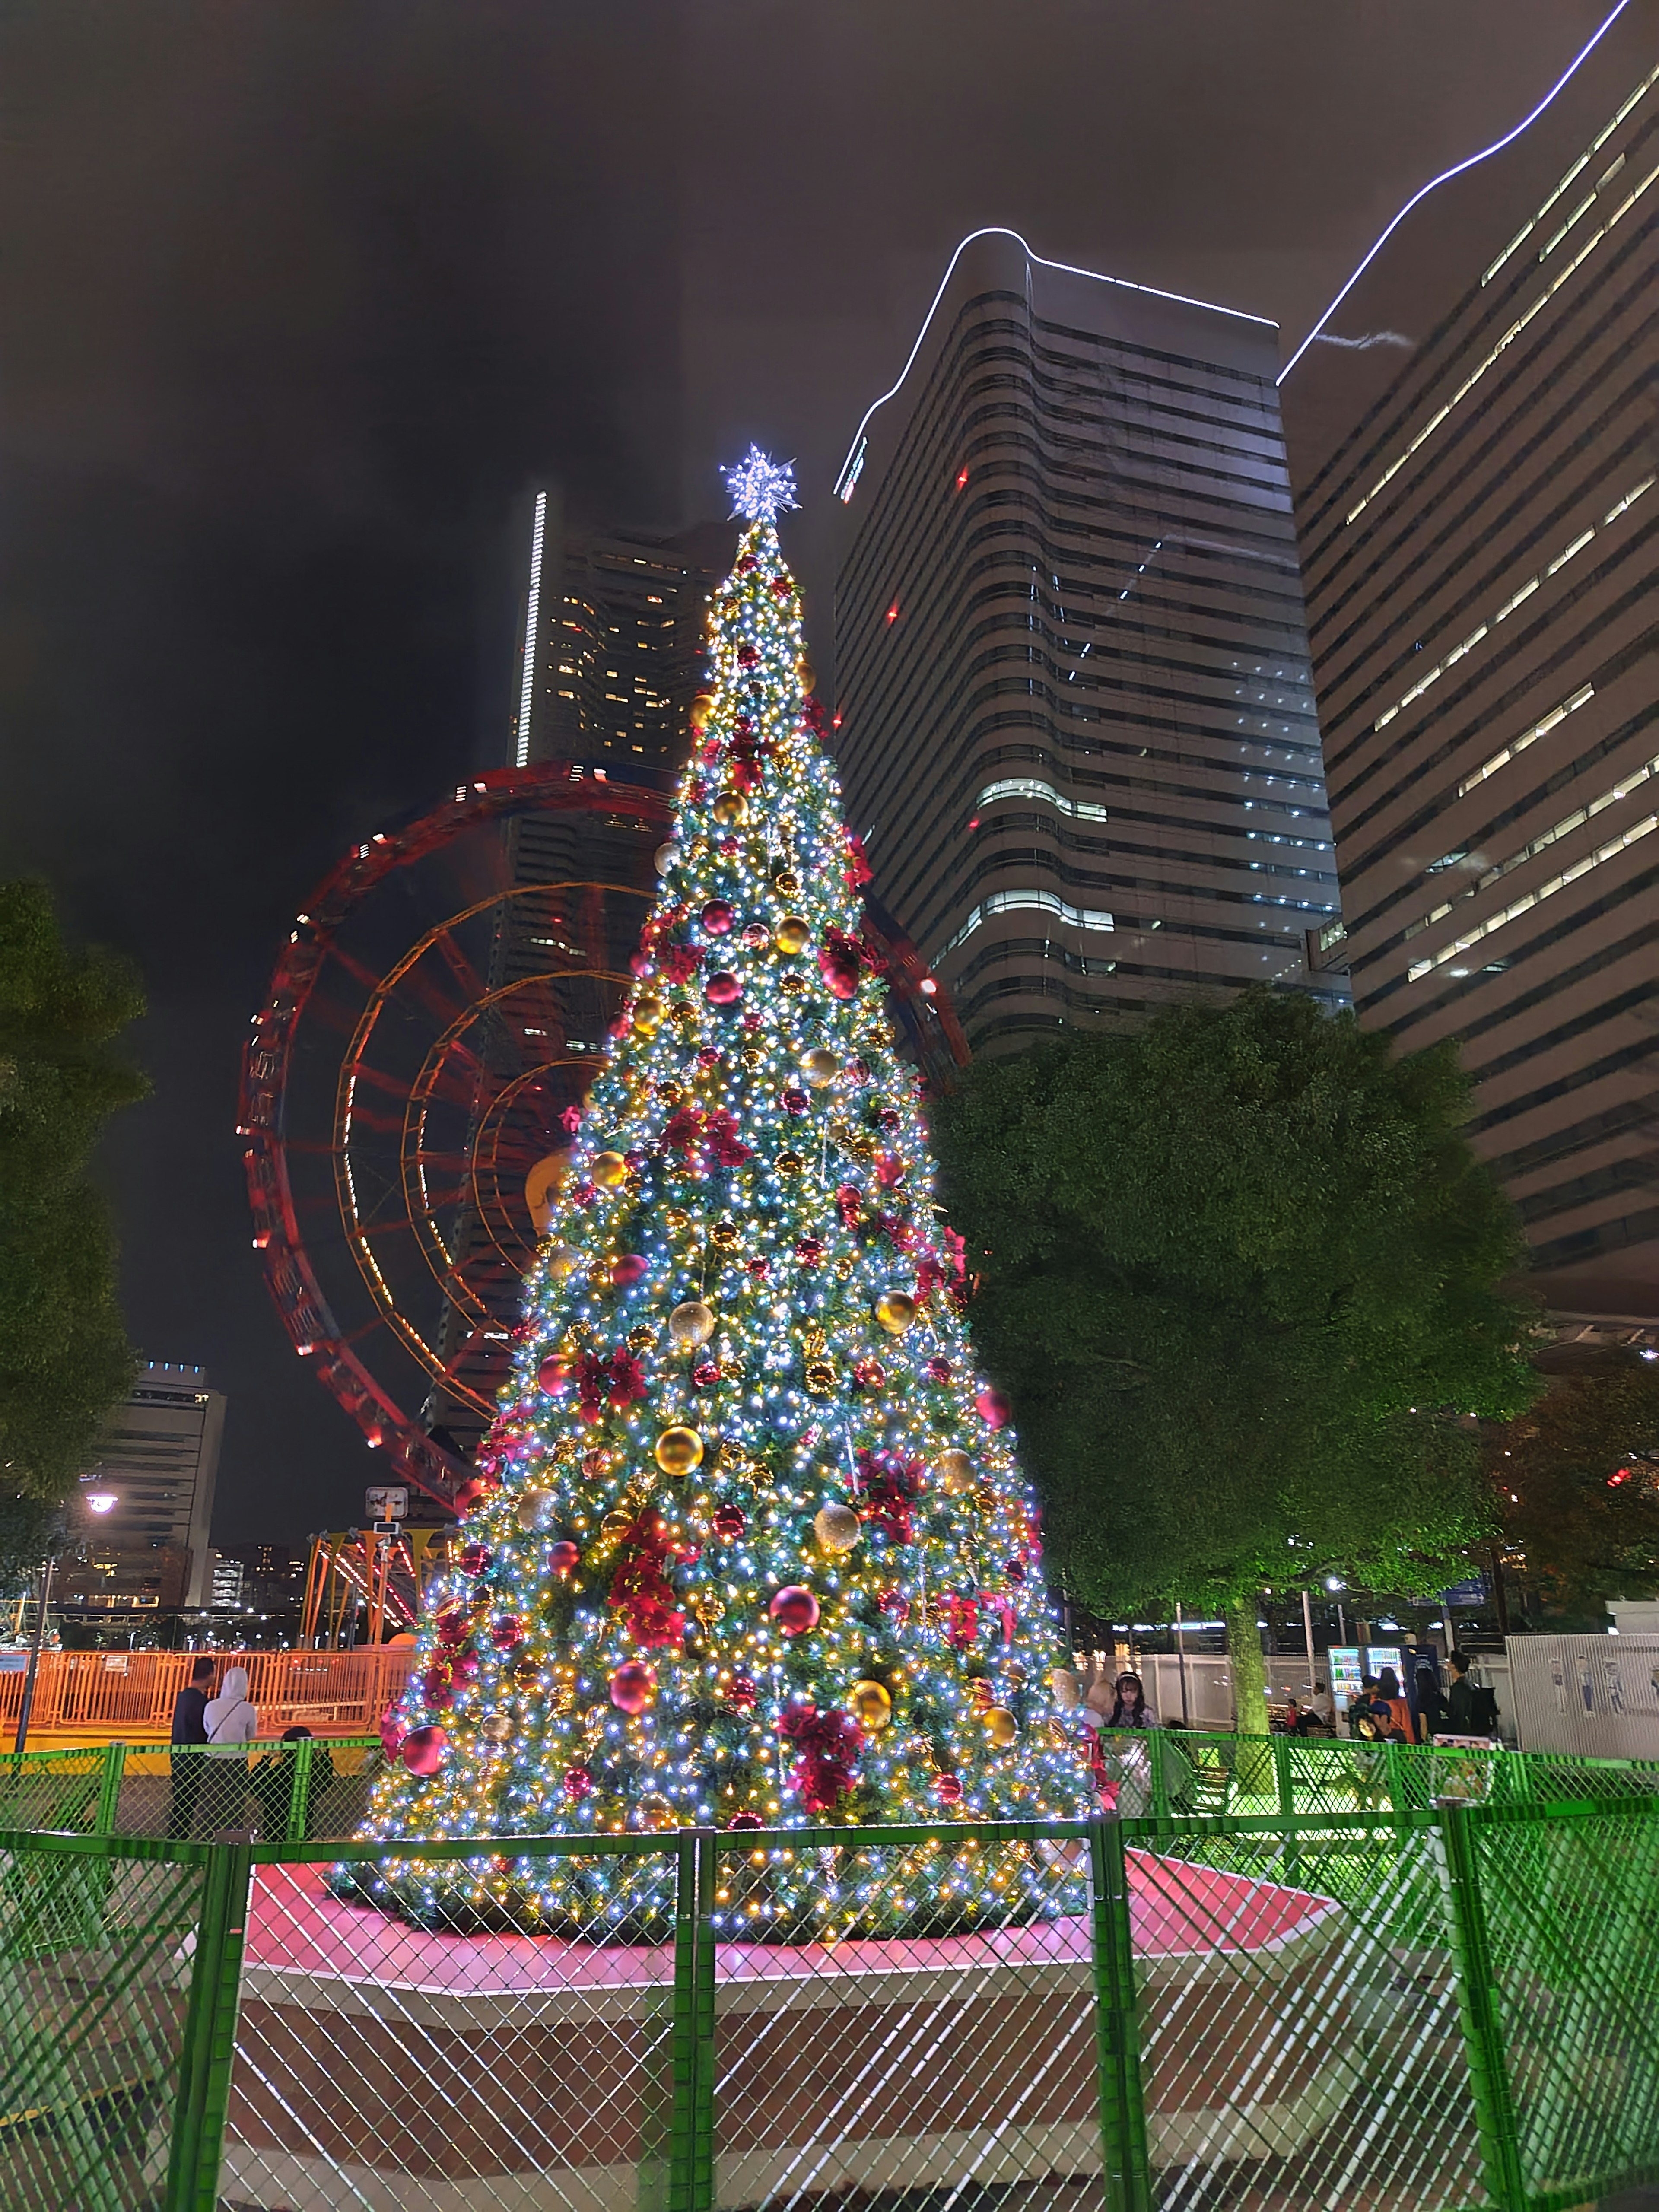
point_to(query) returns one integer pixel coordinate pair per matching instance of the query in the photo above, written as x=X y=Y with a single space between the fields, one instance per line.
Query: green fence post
x=1285 y=1777
x=1483 y=2038
x=1124 y=2159
x=1160 y=1742
x=107 y=1818
x=215 y=1985
x=298 y=1795
x=691 y=2130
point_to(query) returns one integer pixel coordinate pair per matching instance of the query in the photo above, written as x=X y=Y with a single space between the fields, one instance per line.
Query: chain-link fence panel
x=95 y=1954
x=1299 y=2031
x=311 y=1790
x=904 y=2017
x=52 y=1789
x=497 y=2067
x=1570 y=1906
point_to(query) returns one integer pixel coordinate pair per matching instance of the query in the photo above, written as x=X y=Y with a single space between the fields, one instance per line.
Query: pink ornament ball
x=722 y=988
x=795 y=1609
x=554 y=1373
x=947 y=1788
x=628 y=1267
x=423 y=1750
x=476 y=1559
x=565 y=1557
x=578 y=1783
x=506 y=1633
x=718 y=918
x=632 y=1687
x=993 y=1409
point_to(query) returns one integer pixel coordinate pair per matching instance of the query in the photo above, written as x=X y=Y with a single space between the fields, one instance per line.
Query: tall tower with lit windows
x=1075 y=718
x=1477 y=537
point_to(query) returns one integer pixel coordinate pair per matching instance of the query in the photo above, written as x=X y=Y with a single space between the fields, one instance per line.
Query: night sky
x=294 y=298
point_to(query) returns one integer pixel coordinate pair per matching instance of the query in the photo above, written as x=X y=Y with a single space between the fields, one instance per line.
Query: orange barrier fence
x=333 y=1692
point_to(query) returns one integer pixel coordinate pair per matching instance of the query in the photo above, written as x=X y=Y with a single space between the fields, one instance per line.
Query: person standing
x=1388 y=1694
x=230 y=1721
x=1431 y=1701
x=189 y=1727
x=1471 y=1708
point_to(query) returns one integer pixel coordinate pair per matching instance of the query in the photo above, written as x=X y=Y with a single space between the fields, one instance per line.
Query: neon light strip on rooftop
x=1457 y=170
x=1062 y=268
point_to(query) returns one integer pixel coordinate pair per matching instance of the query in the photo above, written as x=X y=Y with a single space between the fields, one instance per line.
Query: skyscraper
x=158 y=1463
x=1076 y=720
x=1478 y=551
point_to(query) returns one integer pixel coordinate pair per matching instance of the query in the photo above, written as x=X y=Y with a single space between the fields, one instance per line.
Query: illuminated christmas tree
x=751 y=1547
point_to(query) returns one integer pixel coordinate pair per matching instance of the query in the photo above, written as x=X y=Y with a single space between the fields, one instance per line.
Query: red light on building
x=973 y=821
x=962 y=480
x=1623 y=1474
x=892 y=611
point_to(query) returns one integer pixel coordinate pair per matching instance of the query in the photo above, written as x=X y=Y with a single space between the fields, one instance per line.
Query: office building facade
x=1075 y=717
x=158 y=1463
x=1479 y=560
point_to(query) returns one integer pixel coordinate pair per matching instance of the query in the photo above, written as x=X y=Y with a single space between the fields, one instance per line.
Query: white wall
x=1597 y=1696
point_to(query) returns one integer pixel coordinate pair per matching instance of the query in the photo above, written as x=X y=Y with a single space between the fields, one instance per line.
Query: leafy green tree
x=1241 y=1277
x=1577 y=1482
x=64 y=1360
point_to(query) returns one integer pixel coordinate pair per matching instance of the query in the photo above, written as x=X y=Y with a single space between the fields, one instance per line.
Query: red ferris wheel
x=442 y=1000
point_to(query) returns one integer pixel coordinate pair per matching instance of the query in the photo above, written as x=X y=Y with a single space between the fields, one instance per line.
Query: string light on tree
x=748 y=1546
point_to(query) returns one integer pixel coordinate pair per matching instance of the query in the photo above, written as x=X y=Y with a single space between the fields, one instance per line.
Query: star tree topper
x=760 y=488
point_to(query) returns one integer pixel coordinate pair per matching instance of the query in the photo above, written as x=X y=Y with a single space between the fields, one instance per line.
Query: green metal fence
x=286 y=1792
x=1397 y=2009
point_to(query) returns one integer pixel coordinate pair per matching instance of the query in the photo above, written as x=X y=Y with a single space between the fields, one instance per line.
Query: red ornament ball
x=794 y=1102
x=554 y=1373
x=706 y=1374
x=729 y=1522
x=423 y=1750
x=628 y=1267
x=741 y=1693
x=632 y=1687
x=578 y=1782
x=939 y=1370
x=947 y=1788
x=759 y=1270
x=869 y=1374
x=641 y=964
x=795 y=1609
x=454 y=1623
x=809 y=1250
x=722 y=988
x=564 y=1556
x=508 y=1632
x=709 y=1057
x=895 y=1604
x=993 y=1409
x=718 y=918
x=475 y=1491
x=476 y=1559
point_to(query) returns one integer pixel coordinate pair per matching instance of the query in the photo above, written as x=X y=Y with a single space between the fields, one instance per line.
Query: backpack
x=1483 y=1710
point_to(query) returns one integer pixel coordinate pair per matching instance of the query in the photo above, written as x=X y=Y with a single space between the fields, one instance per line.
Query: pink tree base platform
x=378 y=2066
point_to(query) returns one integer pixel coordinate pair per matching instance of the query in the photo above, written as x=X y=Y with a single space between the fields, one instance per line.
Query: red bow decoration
x=888 y=1488
x=900 y=1232
x=687 y=1130
x=829 y=1744
x=615 y=1378
x=858 y=868
x=728 y=1149
x=962 y=1613
x=680 y=963
x=641 y=1591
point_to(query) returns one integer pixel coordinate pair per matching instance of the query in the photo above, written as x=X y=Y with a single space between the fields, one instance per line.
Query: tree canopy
x=1241 y=1277
x=64 y=1360
x=1578 y=1480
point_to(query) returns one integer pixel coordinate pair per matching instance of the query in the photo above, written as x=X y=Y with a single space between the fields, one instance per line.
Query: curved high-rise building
x=1075 y=717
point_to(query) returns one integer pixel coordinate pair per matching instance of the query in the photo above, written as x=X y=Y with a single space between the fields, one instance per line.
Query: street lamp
x=100 y=1502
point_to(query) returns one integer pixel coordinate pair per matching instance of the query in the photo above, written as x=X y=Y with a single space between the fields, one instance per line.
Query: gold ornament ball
x=537 y=1509
x=678 y=1450
x=678 y=1218
x=670 y=1092
x=870 y=1705
x=790 y=1164
x=610 y=1169
x=702 y=708
x=562 y=1260
x=730 y=809
x=542 y=1186
x=751 y=1059
x=709 y=1611
x=794 y=986
x=655 y=1811
x=1067 y=1690
x=724 y=1235
x=793 y=934
x=691 y=1323
x=836 y=1526
x=496 y=1728
x=786 y=883
x=820 y=1067
x=648 y=1014
x=844 y=1267
x=1001 y=1727
x=956 y=1474
x=808 y=675
x=896 y=1310
x=615 y=1526
x=821 y=1378
x=639 y=1338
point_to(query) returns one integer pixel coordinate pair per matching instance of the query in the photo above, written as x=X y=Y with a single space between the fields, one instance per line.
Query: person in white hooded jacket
x=230 y=1720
